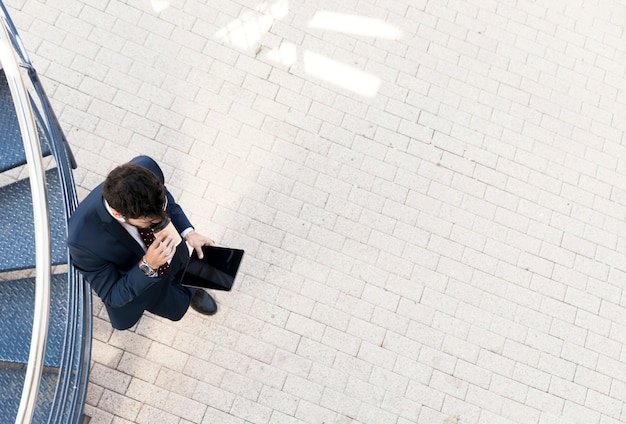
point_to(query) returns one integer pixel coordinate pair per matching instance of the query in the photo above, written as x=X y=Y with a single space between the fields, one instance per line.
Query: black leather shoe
x=202 y=302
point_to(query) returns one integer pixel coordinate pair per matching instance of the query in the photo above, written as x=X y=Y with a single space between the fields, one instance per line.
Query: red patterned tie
x=148 y=238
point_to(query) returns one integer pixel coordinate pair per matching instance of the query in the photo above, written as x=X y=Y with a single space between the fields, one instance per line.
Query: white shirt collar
x=110 y=211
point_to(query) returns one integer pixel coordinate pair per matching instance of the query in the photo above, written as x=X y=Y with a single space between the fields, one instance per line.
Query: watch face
x=146 y=269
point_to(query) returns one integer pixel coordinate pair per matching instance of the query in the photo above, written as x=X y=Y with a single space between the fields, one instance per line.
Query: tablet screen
x=217 y=270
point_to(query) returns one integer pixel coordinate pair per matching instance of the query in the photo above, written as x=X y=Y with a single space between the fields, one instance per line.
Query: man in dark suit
x=112 y=244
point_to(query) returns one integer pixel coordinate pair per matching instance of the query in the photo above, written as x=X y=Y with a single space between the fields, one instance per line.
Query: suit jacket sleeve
x=176 y=214
x=114 y=287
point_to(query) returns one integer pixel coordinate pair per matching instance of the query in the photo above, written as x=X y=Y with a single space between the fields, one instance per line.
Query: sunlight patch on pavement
x=355 y=25
x=286 y=54
x=159 y=5
x=340 y=74
x=247 y=30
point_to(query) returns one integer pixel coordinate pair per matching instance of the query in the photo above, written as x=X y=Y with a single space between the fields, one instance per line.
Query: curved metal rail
x=73 y=376
x=36 y=172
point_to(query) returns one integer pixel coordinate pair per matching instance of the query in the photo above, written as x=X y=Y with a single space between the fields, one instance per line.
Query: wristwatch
x=146 y=268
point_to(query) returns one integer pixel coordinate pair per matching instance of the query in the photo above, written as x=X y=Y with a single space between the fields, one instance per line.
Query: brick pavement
x=430 y=192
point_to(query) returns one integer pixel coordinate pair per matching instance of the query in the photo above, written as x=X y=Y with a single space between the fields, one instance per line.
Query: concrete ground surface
x=431 y=195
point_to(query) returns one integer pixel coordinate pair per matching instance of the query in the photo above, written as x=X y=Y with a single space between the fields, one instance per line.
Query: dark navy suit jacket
x=108 y=258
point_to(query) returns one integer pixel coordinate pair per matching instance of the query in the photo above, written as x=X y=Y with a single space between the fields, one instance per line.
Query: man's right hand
x=161 y=251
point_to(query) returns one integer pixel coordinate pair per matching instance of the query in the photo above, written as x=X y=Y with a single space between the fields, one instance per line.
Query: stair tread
x=11 y=391
x=17 y=250
x=11 y=148
x=17 y=300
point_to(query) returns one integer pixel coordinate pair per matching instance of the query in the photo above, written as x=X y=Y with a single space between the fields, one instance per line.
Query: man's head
x=136 y=194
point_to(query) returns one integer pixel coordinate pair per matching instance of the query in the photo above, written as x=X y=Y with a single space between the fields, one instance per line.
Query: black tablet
x=217 y=270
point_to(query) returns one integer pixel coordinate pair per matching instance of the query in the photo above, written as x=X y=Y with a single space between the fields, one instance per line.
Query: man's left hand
x=197 y=240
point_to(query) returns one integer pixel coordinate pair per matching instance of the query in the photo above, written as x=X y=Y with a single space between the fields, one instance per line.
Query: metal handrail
x=41 y=214
x=72 y=381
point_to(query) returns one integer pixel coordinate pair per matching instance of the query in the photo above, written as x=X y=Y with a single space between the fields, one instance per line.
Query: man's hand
x=197 y=240
x=161 y=250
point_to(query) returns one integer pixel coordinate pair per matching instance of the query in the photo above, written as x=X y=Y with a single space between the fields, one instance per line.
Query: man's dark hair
x=135 y=192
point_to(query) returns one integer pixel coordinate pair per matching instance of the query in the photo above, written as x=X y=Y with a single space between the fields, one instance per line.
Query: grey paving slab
x=431 y=196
